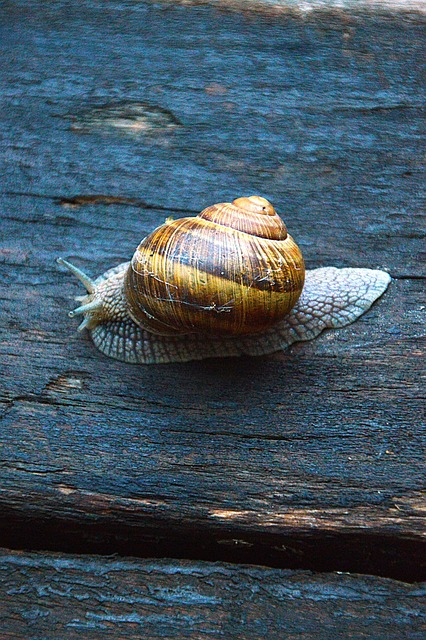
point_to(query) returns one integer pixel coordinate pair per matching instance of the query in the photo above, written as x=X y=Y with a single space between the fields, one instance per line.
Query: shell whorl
x=233 y=269
x=253 y=215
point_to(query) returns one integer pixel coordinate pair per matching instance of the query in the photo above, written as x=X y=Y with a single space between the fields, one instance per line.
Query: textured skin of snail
x=230 y=281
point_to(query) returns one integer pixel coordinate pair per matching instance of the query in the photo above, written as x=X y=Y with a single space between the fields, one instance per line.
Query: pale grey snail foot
x=331 y=298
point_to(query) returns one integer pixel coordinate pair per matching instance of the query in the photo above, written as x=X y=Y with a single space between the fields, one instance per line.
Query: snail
x=227 y=282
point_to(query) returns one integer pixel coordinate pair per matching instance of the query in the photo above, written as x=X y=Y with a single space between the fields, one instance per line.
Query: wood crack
x=98 y=199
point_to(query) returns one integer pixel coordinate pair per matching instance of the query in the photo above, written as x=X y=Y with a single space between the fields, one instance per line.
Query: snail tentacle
x=91 y=305
x=84 y=279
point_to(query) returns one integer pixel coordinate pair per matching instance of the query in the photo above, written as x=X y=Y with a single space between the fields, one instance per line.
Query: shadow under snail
x=227 y=282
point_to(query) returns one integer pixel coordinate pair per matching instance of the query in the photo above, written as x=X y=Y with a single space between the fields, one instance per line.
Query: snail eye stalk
x=79 y=274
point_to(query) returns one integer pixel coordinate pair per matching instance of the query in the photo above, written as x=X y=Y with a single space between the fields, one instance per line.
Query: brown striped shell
x=233 y=269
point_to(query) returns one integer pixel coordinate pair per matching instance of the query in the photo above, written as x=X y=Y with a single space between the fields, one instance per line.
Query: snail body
x=226 y=282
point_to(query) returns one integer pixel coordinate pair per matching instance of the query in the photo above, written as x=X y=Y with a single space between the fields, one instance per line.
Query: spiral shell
x=231 y=270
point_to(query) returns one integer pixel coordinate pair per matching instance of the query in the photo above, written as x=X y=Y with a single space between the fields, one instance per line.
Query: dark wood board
x=69 y=597
x=311 y=458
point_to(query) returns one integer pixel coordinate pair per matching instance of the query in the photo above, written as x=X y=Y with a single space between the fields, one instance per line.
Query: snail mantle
x=228 y=282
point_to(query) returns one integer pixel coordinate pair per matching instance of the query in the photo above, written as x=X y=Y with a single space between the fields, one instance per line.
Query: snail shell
x=226 y=282
x=232 y=270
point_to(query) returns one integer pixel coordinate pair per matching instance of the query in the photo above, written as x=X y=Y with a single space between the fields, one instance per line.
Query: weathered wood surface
x=69 y=597
x=312 y=458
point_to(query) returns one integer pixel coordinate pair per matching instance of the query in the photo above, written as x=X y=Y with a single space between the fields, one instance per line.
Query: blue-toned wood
x=116 y=115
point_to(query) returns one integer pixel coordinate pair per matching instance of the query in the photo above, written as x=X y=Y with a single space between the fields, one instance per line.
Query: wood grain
x=70 y=597
x=115 y=117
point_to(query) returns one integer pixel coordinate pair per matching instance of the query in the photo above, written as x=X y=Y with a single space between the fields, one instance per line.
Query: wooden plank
x=335 y=138
x=313 y=458
x=58 y=596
